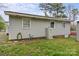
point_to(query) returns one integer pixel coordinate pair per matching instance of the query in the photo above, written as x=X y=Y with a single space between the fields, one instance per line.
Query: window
x=26 y=23
x=52 y=24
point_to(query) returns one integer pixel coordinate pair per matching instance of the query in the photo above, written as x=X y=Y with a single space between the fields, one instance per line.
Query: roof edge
x=35 y=16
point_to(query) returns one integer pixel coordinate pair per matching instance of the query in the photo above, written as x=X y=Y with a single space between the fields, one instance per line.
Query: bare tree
x=55 y=9
x=75 y=12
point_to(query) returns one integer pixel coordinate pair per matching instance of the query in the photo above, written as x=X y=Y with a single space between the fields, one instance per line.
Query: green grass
x=42 y=47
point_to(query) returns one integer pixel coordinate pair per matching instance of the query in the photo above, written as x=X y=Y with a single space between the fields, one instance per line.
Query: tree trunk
x=74 y=17
x=45 y=13
x=57 y=11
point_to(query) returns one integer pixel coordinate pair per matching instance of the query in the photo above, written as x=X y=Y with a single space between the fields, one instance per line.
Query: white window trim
x=30 y=23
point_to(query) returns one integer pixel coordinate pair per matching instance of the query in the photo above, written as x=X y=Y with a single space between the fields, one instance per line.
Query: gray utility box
x=49 y=34
x=77 y=31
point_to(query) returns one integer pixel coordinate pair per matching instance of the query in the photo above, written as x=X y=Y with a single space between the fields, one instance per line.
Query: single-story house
x=22 y=26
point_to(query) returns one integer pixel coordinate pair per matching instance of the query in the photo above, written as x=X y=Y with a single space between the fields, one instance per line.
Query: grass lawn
x=42 y=47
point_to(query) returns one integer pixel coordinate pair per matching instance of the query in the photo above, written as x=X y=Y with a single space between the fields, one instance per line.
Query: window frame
x=51 y=24
x=23 y=20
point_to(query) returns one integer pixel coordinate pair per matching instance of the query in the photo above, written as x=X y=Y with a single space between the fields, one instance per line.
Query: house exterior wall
x=37 y=28
x=77 y=31
x=14 y=26
x=59 y=29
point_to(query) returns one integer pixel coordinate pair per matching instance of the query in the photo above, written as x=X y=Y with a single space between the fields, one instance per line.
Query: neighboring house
x=27 y=25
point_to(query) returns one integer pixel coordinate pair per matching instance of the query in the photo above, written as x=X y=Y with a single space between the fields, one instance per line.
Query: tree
x=58 y=9
x=68 y=10
x=44 y=7
x=2 y=24
x=75 y=12
x=55 y=9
